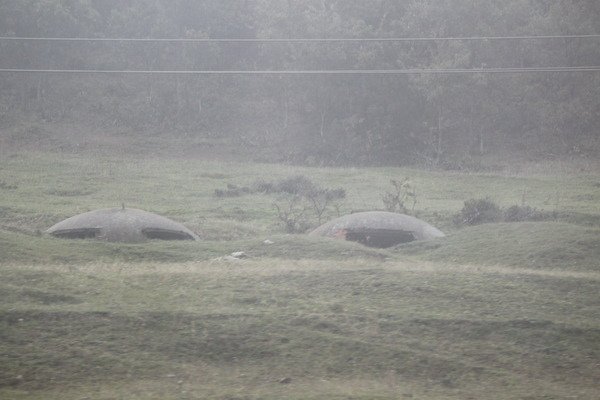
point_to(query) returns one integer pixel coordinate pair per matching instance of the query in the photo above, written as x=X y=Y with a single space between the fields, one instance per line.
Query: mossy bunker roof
x=378 y=229
x=121 y=225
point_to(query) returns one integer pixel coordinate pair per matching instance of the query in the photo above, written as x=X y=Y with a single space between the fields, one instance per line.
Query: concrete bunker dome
x=121 y=225
x=378 y=229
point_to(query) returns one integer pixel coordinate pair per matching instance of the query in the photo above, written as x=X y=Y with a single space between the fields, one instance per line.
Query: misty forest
x=431 y=120
x=317 y=199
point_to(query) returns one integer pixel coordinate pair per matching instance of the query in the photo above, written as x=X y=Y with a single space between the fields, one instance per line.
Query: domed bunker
x=379 y=229
x=121 y=225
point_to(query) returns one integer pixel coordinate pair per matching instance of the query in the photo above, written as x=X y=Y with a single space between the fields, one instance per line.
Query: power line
x=298 y=40
x=413 y=71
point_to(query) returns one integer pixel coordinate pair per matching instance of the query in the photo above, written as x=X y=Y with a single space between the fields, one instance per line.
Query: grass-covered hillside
x=499 y=310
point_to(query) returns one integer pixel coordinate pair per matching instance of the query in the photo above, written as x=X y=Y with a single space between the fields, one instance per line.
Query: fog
x=318 y=199
x=449 y=103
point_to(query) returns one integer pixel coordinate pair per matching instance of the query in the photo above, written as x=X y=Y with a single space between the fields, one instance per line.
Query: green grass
x=544 y=245
x=23 y=248
x=49 y=187
x=396 y=328
x=498 y=311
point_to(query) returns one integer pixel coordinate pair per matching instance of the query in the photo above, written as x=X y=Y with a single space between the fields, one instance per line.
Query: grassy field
x=496 y=311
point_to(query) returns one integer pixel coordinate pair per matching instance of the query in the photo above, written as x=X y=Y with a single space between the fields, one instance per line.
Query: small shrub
x=262 y=186
x=521 y=213
x=7 y=186
x=297 y=185
x=478 y=211
x=320 y=200
x=306 y=201
x=293 y=214
x=301 y=201
x=396 y=199
x=232 y=191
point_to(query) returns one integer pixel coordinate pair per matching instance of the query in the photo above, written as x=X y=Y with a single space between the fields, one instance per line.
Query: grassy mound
x=550 y=245
x=22 y=248
x=540 y=245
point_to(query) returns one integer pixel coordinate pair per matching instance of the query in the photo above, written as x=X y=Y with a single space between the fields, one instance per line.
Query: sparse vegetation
x=518 y=213
x=478 y=211
x=402 y=196
x=481 y=211
x=300 y=204
x=305 y=202
x=453 y=318
x=292 y=212
x=232 y=191
x=7 y=186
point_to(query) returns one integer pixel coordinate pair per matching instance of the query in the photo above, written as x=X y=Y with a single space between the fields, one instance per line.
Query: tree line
x=436 y=120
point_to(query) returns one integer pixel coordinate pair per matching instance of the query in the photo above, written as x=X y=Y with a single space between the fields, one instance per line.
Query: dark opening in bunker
x=166 y=234
x=81 y=233
x=379 y=238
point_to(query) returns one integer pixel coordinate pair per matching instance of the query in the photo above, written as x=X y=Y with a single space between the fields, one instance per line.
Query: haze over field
x=240 y=127
x=452 y=120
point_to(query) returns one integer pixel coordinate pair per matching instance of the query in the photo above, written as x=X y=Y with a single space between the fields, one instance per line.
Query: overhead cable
x=413 y=71
x=298 y=40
